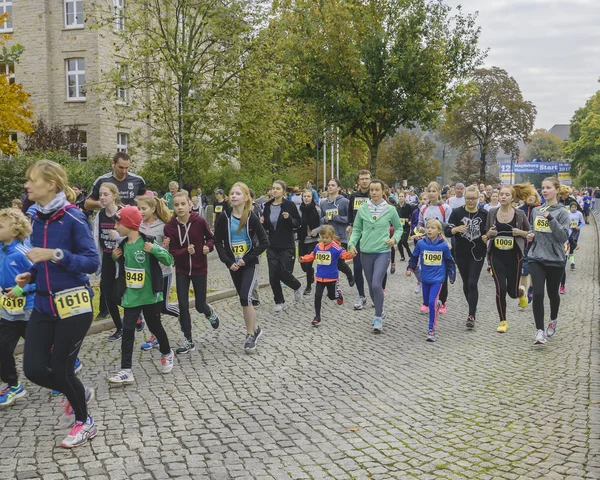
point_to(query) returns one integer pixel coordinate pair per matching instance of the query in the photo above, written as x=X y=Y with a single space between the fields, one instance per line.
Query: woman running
x=308 y=235
x=405 y=211
x=280 y=219
x=372 y=229
x=507 y=228
x=547 y=257
x=240 y=240
x=531 y=202
x=467 y=225
x=62 y=311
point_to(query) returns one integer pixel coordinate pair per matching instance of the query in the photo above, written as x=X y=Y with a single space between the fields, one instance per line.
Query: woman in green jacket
x=372 y=229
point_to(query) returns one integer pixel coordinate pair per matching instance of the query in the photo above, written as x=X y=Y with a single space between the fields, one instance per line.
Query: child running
x=139 y=282
x=189 y=240
x=154 y=216
x=437 y=265
x=16 y=302
x=326 y=255
x=576 y=223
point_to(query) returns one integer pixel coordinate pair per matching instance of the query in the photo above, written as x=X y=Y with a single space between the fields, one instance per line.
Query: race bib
x=358 y=202
x=323 y=258
x=14 y=306
x=574 y=224
x=403 y=220
x=504 y=243
x=74 y=301
x=239 y=249
x=134 y=277
x=218 y=208
x=433 y=259
x=330 y=213
x=540 y=224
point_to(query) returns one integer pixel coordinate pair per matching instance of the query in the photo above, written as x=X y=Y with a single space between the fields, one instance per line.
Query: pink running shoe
x=424 y=309
x=442 y=308
x=562 y=290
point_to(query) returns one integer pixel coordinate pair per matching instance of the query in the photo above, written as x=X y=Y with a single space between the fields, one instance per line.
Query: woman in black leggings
x=62 y=310
x=308 y=235
x=549 y=232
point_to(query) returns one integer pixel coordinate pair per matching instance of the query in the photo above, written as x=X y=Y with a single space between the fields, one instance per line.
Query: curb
x=105 y=325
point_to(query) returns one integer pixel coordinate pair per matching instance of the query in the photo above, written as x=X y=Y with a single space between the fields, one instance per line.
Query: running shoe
x=431 y=336
x=68 y=417
x=139 y=326
x=167 y=362
x=417 y=289
x=540 y=338
x=377 y=325
x=442 y=308
x=316 y=321
x=393 y=269
x=213 y=318
x=80 y=434
x=55 y=393
x=186 y=347
x=298 y=295
x=551 y=330
x=307 y=291
x=572 y=266
x=503 y=327
x=255 y=297
x=562 y=290
x=124 y=377
x=529 y=294
x=257 y=334
x=250 y=343
x=523 y=302
x=402 y=259
x=103 y=315
x=116 y=336
x=78 y=366
x=424 y=309
x=471 y=321
x=360 y=303
x=150 y=344
x=279 y=307
x=10 y=394
x=339 y=296
x=351 y=281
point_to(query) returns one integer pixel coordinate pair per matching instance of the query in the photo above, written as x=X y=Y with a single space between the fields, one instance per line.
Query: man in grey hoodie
x=334 y=212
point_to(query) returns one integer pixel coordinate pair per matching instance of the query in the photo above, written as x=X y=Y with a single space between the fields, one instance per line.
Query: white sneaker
x=417 y=288
x=360 y=303
x=551 y=330
x=540 y=338
x=124 y=377
x=167 y=361
x=298 y=295
x=279 y=307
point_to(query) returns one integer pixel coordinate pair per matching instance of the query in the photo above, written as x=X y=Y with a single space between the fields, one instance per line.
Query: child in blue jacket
x=326 y=255
x=435 y=258
x=16 y=302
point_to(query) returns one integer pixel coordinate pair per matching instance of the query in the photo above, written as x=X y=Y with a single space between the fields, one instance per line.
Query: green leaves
x=584 y=142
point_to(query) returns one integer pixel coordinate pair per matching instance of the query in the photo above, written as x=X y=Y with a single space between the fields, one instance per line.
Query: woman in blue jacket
x=63 y=254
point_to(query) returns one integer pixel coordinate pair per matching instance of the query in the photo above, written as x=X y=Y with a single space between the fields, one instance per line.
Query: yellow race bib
x=323 y=258
x=239 y=249
x=330 y=213
x=574 y=224
x=74 y=301
x=359 y=201
x=14 y=306
x=540 y=224
x=504 y=243
x=135 y=277
x=218 y=208
x=432 y=259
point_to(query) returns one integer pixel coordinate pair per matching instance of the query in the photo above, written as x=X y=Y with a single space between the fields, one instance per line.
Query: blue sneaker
x=10 y=394
x=377 y=325
x=213 y=318
x=55 y=393
x=530 y=294
x=150 y=344
x=78 y=365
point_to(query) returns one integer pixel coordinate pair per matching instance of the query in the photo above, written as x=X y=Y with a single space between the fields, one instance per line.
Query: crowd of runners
x=138 y=243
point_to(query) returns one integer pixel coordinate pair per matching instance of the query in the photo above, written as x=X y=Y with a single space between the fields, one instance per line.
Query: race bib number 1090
x=433 y=259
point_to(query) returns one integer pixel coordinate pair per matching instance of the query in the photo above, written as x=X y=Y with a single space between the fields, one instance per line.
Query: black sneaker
x=116 y=336
x=139 y=326
x=250 y=344
x=471 y=321
x=103 y=315
x=307 y=291
x=351 y=281
x=213 y=318
x=186 y=347
x=316 y=321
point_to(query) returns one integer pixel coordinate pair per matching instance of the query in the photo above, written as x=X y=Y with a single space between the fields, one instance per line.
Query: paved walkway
x=337 y=401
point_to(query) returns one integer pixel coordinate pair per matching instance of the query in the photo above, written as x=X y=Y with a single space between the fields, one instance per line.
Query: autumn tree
x=491 y=116
x=15 y=113
x=584 y=140
x=467 y=170
x=544 y=146
x=373 y=66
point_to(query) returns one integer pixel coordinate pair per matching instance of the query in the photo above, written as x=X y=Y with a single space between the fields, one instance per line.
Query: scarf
x=377 y=210
x=58 y=202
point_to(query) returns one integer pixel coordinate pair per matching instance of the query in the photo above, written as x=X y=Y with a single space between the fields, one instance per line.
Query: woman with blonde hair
x=62 y=311
x=240 y=239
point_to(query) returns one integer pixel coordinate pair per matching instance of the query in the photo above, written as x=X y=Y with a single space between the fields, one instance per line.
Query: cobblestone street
x=338 y=401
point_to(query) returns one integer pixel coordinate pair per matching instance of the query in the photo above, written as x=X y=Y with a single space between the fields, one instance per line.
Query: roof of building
x=561 y=131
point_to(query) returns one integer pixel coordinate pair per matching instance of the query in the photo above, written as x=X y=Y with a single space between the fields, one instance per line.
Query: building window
x=75 y=79
x=122 y=91
x=73 y=13
x=119 y=15
x=78 y=144
x=8 y=69
x=6 y=7
x=122 y=142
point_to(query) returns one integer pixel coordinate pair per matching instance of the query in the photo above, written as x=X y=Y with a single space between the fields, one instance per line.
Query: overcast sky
x=550 y=47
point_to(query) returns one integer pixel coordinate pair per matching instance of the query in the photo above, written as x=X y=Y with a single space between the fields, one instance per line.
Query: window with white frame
x=119 y=6
x=73 y=13
x=78 y=146
x=75 y=79
x=6 y=7
x=122 y=142
x=122 y=90
x=8 y=70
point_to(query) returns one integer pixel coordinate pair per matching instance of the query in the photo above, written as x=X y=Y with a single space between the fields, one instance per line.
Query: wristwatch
x=58 y=255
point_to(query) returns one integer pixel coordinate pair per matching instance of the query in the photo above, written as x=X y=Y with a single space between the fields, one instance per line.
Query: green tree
x=544 y=146
x=491 y=115
x=408 y=156
x=373 y=66
x=584 y=140
x=467 y=170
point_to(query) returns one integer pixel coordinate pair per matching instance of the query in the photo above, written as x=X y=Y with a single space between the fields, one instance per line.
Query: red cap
x=129 y=217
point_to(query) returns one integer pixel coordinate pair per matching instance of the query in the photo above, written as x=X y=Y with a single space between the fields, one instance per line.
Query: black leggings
x=182 y=283
x=108 y=285
x=166 y=307
x=507 y=275
x=404 y=243
x=550 y=276
x=319 y=289
x=244 y=280
x=470 y=270
x=343 y=266
x=51 y=348
x=10 y=333
x=281 y=268
x=307 y=267
x=152 y=317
